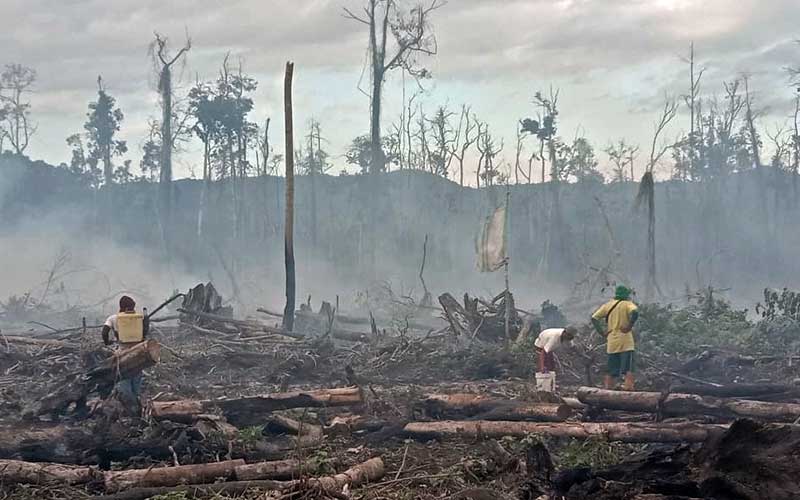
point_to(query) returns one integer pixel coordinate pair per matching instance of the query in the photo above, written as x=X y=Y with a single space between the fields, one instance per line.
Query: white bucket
x=546 y=382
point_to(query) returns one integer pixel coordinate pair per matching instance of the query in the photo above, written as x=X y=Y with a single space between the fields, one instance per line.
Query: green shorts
x=620 y=363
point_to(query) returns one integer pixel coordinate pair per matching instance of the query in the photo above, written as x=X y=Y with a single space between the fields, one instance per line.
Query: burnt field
x=390 y=405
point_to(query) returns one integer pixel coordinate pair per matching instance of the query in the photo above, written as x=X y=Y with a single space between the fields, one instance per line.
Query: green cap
x=622 y=292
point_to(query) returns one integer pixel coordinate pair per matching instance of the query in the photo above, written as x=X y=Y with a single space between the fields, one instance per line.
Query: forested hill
x=740 y=232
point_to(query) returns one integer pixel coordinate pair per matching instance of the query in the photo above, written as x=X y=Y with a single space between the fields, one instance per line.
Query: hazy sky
x=613 y=60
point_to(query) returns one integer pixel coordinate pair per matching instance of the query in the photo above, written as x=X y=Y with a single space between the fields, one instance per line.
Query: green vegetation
x=175 y=495
x=594 y=453
x=707 y=321
x=250 y=435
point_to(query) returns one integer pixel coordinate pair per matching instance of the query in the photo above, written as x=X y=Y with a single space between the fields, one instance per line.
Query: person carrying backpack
x=615 y=320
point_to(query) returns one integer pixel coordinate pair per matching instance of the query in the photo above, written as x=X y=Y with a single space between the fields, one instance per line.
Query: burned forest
x=395 y=250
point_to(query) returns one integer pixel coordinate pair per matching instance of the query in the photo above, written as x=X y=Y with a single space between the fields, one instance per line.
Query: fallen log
x=170 y=476
x=276 y=469
x=688 y=404
x=253 y=325
x=623 y=432
x=733 y=390
x=414 y=323
x=347 y=424
x=356 y=476
x=123 y=364
x=13 y=339
x=254 y=410
x=17 y=471
x=489 y=408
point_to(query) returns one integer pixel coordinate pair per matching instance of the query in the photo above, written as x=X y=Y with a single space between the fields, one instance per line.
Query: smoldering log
x=170 y=476
x=123 y=364
x=623 y=432
x=250 y=410
x=65 y=444
x=688 y=404
x=489 y=408
x=17 y=471
x=356 y=476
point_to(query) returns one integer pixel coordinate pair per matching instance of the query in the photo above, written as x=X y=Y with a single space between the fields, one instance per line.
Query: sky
x=613 y=61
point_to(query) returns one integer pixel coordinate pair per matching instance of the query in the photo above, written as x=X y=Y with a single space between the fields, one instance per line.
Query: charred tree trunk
x=122 y=365
x=288 y=311
x=488 y=408
x=256 y=408
x=688 y=404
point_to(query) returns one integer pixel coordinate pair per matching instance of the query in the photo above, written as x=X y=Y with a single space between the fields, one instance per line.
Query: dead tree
x=288 y=311
x=413 y=37
x=16 y=81
x=166 y=63
x=646 y=194
x=750 y=119
x=691 y=102
x=466 y=126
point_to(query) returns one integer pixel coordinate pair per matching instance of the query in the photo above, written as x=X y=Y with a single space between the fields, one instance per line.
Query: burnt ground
x=394 y=372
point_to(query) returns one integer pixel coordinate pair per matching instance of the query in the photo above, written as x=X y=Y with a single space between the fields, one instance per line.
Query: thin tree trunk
x=165 y=179
x=288 y=311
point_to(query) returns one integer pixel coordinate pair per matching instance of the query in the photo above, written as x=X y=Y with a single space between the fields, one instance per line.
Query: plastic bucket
x=546 y=382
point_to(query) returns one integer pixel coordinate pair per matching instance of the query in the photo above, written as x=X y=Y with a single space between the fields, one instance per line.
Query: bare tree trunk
x=288 y=311
x=165 y=177
x=204 y=191
x=265 y=163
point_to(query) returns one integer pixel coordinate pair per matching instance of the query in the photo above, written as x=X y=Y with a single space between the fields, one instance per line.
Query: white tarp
x=492 y=242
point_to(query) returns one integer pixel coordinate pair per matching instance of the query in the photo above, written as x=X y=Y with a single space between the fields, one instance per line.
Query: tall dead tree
x=165 y=62
x=750 y=121
x=646 y=194
x=288 y=311
x=466 y=130
x=412 y=36
x=691 y=102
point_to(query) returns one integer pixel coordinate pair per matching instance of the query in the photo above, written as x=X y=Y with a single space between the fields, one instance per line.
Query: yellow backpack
x=130 y=327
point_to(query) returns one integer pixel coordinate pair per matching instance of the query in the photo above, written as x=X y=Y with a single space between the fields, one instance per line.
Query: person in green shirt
x=615 y=320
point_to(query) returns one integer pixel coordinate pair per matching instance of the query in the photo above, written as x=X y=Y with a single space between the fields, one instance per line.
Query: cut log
x=16 y=471
x=184 y=410
x=369 y=471
x=347 y=424
x=624 y=432
x=276 y=469
x=688 y=404
x=170 y=476
x=124 y=364
x=254 y=410
x=489 y=408
x=355 y=476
